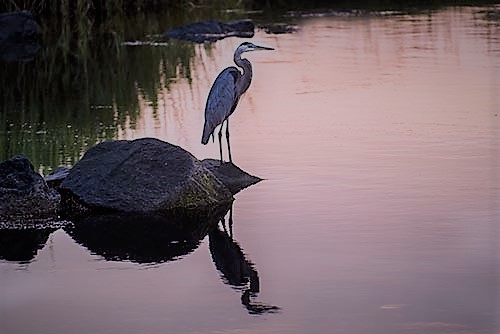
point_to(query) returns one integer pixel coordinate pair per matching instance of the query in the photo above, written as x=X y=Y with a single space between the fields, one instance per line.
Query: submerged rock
x=211 y=31
x=279 y=28
x=144 y=176
x=55 y=178
x=18 y=36
x=345 y=13
x=24 y=194
x=491 y=14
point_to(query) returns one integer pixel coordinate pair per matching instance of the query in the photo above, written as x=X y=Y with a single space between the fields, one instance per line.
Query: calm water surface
x=378 y=137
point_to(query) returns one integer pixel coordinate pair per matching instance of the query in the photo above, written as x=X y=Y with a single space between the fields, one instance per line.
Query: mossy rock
x=145 y=175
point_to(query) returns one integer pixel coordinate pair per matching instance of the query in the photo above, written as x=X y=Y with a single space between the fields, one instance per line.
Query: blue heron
x=225 y=94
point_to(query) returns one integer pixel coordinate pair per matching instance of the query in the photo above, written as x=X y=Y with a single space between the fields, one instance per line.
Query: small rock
x=55 y=178
x=18 y=36
x=24 y=194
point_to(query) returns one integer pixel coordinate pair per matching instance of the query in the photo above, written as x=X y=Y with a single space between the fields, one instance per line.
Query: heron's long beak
x=257 y=47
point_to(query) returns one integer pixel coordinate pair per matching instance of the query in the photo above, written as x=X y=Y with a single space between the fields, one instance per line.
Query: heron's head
x=247 y=46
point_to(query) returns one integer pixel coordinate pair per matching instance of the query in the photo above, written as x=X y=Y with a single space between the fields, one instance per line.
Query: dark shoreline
x=101 y=11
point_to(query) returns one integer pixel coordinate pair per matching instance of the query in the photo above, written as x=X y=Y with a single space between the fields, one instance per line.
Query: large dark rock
x=18 y=36
x=234 y=178
x=24 y=194
x=211 y=31
x=144 y=175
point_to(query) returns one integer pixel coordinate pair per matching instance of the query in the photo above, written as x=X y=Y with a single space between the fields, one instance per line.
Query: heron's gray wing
x=221 y=101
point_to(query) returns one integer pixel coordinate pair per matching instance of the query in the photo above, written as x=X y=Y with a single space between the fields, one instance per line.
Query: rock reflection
x=236 y=270
x=152 y=239
x=22 y=245
x=143 y=238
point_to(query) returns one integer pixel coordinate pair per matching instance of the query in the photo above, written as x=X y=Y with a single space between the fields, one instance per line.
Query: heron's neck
x=246 y=77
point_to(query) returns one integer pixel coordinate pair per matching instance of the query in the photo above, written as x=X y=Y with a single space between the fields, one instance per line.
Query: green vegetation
x=83 y=87
x=103 y=8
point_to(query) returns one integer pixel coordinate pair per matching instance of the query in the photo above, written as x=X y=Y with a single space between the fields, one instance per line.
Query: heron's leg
x=227 y=137
x=220 y=143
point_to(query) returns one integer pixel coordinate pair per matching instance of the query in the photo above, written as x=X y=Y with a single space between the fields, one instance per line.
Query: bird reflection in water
x=236 y=270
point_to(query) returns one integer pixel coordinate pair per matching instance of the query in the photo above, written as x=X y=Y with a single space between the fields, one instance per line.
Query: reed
x=103 y=8
x=82 y=88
